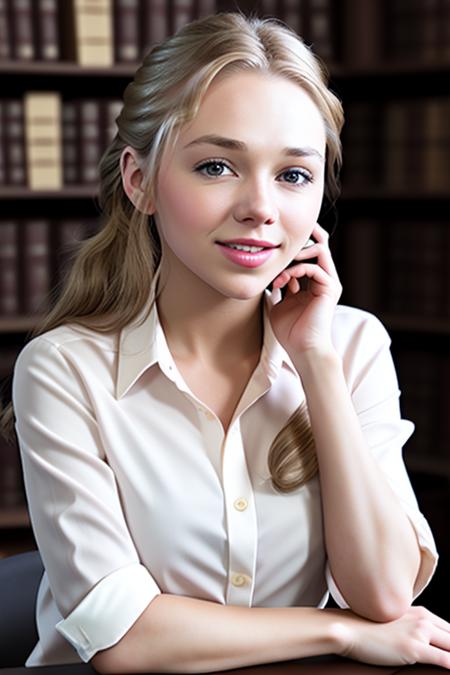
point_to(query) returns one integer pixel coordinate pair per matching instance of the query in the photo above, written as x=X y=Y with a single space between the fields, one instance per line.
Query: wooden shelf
x=379 y=195
x=14 y=517
x=68 y=69
x=416 y=324
x=67 y=192
x=18 y=324
x=336 y=70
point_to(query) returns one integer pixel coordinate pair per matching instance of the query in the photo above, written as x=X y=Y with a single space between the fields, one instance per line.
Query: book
x=20 y=13
x=9 y=281
x=90 y=145
x=46 y=30
x=126 y=31
x=93 y=32
x=70 y=143
x=155 y=23
x=35 y=267
x=43 y=140
x=181 y=14
x=5 y=42
x=11 y=482
x=14 y=149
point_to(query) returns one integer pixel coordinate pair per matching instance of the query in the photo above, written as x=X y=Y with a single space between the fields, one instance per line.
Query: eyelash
x=211 y=162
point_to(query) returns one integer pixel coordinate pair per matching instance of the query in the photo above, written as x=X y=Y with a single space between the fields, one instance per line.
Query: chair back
x=20 y=576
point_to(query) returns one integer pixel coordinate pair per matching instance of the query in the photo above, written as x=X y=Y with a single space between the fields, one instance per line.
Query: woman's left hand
x=302 y=320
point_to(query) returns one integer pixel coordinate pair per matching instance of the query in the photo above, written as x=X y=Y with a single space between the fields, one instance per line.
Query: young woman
x=206 y=459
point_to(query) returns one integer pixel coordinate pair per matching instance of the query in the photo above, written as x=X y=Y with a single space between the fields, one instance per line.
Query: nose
x=255 y=204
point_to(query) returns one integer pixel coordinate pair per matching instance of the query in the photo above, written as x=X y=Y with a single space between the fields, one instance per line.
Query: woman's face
x=247 y=171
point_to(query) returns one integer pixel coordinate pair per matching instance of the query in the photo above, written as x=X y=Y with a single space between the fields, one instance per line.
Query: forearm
x=178 y=634
x=371 y=545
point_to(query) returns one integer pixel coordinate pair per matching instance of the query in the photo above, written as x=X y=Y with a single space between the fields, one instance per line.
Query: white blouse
x=134 y=489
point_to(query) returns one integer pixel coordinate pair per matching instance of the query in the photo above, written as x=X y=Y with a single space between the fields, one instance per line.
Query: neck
x=202 y=324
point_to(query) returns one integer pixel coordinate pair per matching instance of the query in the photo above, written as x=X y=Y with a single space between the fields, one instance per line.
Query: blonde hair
x=112 y=272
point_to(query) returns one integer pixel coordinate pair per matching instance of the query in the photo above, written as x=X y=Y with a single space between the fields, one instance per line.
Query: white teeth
x=248 y=249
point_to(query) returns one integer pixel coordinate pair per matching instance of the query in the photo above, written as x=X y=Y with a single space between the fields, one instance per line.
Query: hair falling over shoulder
x=113 y=271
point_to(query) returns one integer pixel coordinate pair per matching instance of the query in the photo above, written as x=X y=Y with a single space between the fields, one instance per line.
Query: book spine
x=35 y=272
x=21 y=25
x=113 y=109
x=14 y=143
x=3 y=142
x=437 y=145
x=126 y=31
x=320 y=29
x=90 y=140
x=9 y=286
x=5 y=43
x=155 y=23
x=293 y=13
x=47 y=30
x=205 y=8
x=11 y=486
x=94 y=32
x=71 y=143
x=43 y=140
x=415 y=265
x=69 y=235
x=362 y=248
x=181 y=14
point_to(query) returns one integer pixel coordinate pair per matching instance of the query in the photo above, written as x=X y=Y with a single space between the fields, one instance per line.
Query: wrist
x=341 y=631
x=318 y=359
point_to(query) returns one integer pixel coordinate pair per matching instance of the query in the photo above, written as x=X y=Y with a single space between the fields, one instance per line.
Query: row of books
x=423 y=380
x=46 y=143
x=91 y=32
x=34 y=257
x=104 y=32
x=417 y=30
x=400 y=267
x=399 y=145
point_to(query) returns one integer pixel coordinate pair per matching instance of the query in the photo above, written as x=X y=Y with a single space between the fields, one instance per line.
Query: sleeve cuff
x=109 y=610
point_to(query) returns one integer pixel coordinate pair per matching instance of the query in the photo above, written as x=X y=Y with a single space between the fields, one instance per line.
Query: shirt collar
x=142 y=343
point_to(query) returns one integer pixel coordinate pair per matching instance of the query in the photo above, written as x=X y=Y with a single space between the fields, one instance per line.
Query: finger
x=437 y=620
x=440 y=638
x=320 y=234
x=434 y=656
x=312 y=271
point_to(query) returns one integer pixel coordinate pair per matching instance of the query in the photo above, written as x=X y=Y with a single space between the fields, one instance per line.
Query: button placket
x=241 y=522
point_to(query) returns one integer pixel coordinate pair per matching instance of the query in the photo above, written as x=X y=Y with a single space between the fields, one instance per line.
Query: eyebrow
x=232 y=144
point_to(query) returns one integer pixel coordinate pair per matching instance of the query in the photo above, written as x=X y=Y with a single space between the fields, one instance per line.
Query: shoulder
x=68 y=342
x=353 y=327
x=363 y=343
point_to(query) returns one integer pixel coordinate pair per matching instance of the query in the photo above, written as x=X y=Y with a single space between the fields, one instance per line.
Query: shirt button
x=239 y=580
x=240 y=504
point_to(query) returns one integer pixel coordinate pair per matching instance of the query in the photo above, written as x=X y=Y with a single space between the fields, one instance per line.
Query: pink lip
x=244 y=258
x=249 y=242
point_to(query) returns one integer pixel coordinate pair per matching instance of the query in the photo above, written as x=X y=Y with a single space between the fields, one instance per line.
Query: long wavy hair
x=112 y=271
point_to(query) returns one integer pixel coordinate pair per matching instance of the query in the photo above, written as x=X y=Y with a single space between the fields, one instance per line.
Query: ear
x=132 y=179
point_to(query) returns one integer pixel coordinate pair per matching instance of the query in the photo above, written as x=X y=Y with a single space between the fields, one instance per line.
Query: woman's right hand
x=419 y=636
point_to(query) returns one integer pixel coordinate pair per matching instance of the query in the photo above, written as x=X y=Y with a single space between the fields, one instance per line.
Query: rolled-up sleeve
x=373 y=383
x=94 y=572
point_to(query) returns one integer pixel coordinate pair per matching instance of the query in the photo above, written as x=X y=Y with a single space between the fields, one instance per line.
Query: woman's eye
x=297 y=176
x=213 y=168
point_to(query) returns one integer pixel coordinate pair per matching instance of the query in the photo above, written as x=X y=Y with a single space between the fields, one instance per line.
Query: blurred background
x=64 y=66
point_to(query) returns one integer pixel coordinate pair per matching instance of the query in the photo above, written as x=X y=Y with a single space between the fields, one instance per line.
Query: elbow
x=386 y=607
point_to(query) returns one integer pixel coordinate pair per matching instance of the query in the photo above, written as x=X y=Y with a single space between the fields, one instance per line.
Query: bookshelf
x=396 y=97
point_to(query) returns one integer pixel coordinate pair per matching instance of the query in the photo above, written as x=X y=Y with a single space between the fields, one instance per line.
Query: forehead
x=258 y=108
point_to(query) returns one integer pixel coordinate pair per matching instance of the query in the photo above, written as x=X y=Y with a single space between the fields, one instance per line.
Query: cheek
x=183 y=210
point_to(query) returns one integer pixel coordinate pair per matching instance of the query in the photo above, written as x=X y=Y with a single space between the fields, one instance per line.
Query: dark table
x=314 y=666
